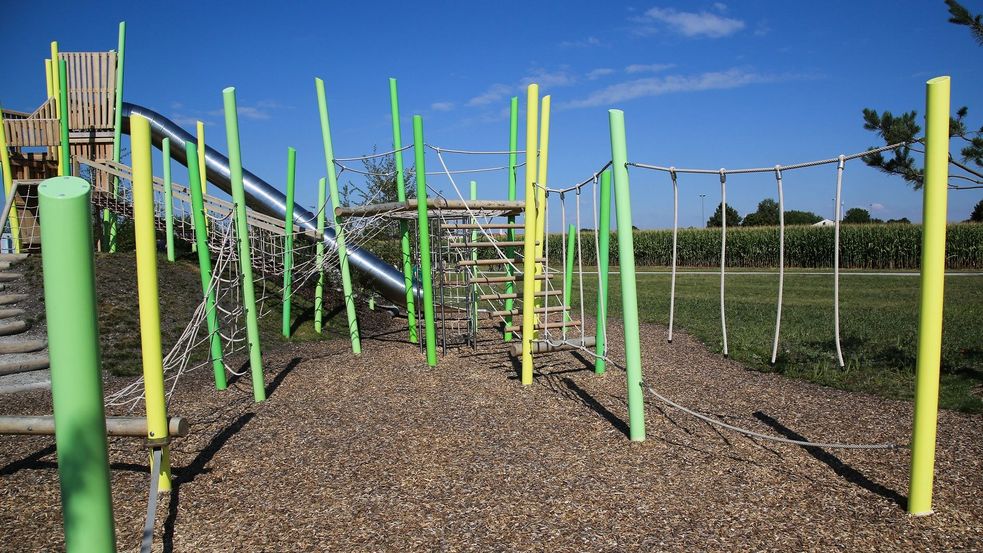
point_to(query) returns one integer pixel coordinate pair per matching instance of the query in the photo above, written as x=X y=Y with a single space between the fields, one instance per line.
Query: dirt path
x=378 y=452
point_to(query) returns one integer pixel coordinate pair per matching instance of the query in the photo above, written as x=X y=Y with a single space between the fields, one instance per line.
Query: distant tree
x=796 y=217
x=766 y=215
x=380 y=182
x=901 y=221
x=733 y=217
x=857 y=215
x=977 y=215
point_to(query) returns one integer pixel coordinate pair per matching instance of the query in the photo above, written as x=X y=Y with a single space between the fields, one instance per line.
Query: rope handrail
x=373 y=156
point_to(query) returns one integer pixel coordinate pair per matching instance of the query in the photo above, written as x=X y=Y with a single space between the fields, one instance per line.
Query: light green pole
x=242 y=234
x=404 y=227
x=568 y=273
x=76 y=378
x=205 y=266
x=423 y=231
x=288 y=240
x=509 y=250
x=346 y=276
x=930 y=305
x=165 y=149
x=66 y=157
x=319 y=256
x=626 y=262
x=109 y=222
x=603 y=260
x=474 y=269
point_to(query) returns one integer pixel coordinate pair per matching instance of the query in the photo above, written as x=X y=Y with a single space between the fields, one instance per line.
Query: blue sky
x=702 y=84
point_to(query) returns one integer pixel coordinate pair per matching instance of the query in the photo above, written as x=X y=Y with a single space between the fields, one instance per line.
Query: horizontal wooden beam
x=562 y=345
x=133 y=427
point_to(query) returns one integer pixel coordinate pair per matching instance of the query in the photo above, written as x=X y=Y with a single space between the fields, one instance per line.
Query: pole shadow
x=594 y=405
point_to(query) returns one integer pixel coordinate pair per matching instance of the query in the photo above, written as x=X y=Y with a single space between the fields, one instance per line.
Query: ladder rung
x=472 y=226
x=516 y=296
x=517 y=311
x=488 y=244
x=500 y=279
x=540 y=326
x=496 y=261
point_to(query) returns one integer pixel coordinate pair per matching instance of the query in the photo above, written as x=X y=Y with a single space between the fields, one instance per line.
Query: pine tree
x=733 y=217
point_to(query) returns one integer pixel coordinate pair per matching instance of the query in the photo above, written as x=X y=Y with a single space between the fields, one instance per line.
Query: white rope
x=675 y=236
x=723 y=253
x=836 y=262
x=580 y=270
x=781 y=262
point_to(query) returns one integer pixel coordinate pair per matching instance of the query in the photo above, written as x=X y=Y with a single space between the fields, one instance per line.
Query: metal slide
x=264 y=198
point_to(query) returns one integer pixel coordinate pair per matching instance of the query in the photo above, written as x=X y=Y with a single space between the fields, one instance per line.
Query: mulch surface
x=379 y=452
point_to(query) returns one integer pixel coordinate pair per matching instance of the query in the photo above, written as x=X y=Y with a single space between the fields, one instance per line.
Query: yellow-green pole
x=202 y=176
x=64 y=156
x=544 y=146
x=55 y=78
x=165 y=150
x=145 y=241
x=930 y=304
x=8 y=185
x=404 y=227
x=288 y=240
x=322 y=183
x=423 y=235
x=108 y=221
x=529 y=236
x=47 y=77
x=510 y=250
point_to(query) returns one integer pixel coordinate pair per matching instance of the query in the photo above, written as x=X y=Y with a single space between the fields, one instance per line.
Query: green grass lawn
x=879 y=322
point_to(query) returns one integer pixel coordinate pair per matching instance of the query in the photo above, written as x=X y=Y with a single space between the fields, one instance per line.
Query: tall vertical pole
x=474 y=269
x=930 y=303
x=510 y=250
x=568 y=272
x=626 y=262
x=242 y=234
x=76 y=370
x=544 y=146
x=603 y=263
x=47 y=78
x=65 y=156
x=346 y=276
x=319 y=255
x=56 y=78
x=108 y=221
x=423 y=236
x=145 y=240
x=8 y=186
x=529 y=236
x=202 y=173
x=288 y=240
x=404 y=226
x=165 y=149
x=205 y=266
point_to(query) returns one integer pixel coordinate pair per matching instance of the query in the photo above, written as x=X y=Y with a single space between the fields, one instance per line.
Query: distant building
x=824 y=223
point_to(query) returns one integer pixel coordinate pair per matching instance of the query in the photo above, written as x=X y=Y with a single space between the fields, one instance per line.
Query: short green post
x=568 y=273
x=165 y=149
x=404 y=226
x=288 y=240
x=242 y=235
x=510 y=250
x=339 y=231
x=76 y=371
x=423 y=232
x=929 y=358
x=474 y=270
x=108 y=221
x=65 y=156
x=205 y=268
x=626 y=262
x=603 y=260
x=319 y=255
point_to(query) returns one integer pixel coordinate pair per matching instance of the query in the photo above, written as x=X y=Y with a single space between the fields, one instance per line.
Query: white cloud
x=588 y=42
x=542 y=77
x=650 y=68
x=599 y=72
x=494 y=93
x=877 y=207
x=442 y=106
x=690 y=24
x=656 y=86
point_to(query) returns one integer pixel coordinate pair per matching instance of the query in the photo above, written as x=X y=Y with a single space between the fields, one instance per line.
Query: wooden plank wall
x=91 y=89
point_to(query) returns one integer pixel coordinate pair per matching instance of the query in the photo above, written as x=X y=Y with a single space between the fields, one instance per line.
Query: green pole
x=603 y=260
x=205 y=266
x=509 y=250
x=76 y=378
x=568 y=273
x=424 y=237
x=346 y=276
x=474 y=270
x=242 y=234
x=288 y=240
x=319 y=256
x=109 y=222
x=626 y=262
x=930 y=305
x=404 y=227
x=66 y=157
x=168 y=199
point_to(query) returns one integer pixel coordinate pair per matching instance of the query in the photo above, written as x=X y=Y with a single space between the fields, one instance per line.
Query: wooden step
x=486 y=244
x=517 y=311
x=546 y=347
x=9 y=277
x=473 y=226
x=23 y=365
x=13 y=257
x=516 y=296
x=8 y=299
x=506 y=278
x=542 y=325
x=496 y=261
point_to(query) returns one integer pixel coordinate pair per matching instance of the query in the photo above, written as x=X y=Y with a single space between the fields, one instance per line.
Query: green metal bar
x=76 y=376
x=8 y=187
x=568 y=272
x=923 y=433
x=603 y=263
x=319 y=256
x=474 y=270
x=242 y=234
x=626 y=262
x=288 y=240
x=65 y=158
x=109 y=222
x=205 y=266
x=168 y=199
x=510 y=250
x=424 y=238
x=404 y=227
x=346 y=275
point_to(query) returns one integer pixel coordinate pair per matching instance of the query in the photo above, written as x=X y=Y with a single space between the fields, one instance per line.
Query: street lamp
x=703 y=215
